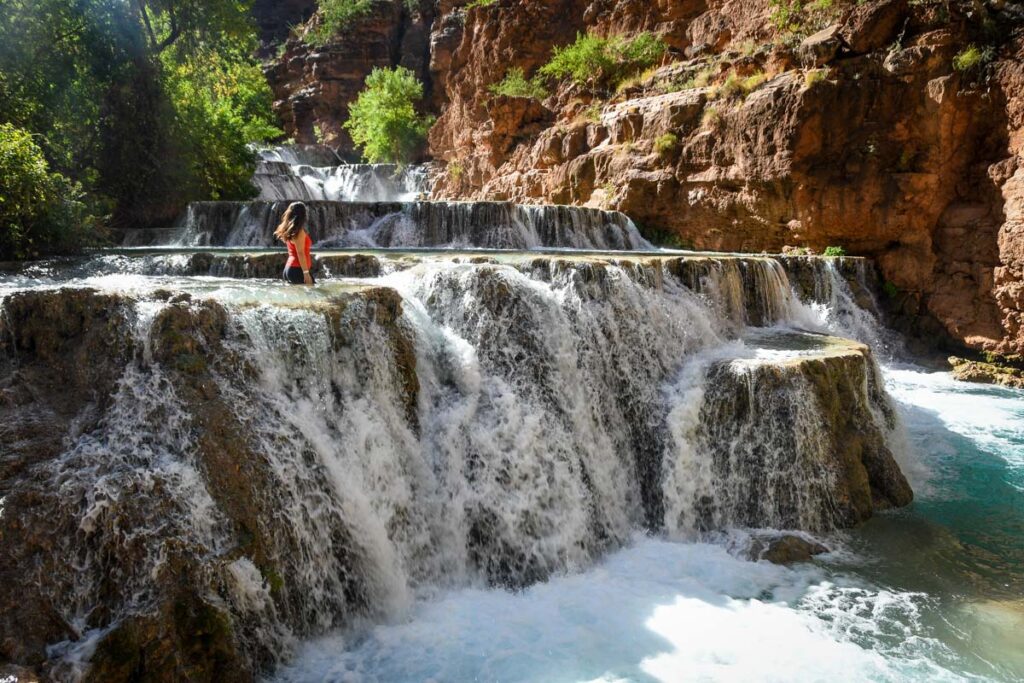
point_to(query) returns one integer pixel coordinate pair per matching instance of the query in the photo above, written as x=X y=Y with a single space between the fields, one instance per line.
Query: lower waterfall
x=310 y=459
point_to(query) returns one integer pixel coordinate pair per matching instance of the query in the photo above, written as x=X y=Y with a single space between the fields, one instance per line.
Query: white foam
x=657 y=610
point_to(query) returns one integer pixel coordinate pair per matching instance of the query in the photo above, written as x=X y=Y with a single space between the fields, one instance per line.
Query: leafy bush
x=383 y=121
x=596 y=62
x=891 y=290
x=801 y=17
x=40 y=211
x=480 y=3
x=834 y=251
x=335 y=17
x=666 y=144
x=586 y=62
x=973 y=59
x=643 y=51
x=516 y=84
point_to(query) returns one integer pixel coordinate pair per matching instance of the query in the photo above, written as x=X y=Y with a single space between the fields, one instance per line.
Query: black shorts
x=294 y=276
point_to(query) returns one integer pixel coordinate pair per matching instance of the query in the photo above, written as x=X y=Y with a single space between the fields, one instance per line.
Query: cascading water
x=488 y=225
x=340 y=482
x=314 y=173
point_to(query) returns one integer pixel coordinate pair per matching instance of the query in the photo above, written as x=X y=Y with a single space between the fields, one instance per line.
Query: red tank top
x=293 y=256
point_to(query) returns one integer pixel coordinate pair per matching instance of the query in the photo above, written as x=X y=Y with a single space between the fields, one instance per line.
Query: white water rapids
x=522 y=466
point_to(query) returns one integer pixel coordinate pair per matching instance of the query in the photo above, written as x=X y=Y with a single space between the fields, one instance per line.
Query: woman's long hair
x=293 y=220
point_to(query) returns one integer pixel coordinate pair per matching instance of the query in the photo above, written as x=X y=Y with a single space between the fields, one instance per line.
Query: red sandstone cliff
x=863 y=136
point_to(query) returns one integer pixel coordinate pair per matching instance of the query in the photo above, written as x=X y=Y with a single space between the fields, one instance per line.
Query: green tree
x=221 y=104
x=148 y=104
x=383 y=121
x=196 y=23
x=587 y=62
x=40 y=210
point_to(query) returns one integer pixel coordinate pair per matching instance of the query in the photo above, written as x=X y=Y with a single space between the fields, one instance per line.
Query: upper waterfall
x=375 y=205
x=310 y=173
x=487 y=225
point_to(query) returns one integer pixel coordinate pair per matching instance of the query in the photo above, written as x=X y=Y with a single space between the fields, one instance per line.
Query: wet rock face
x=800 y=444
x=785 y=549
x=140 y=512
x=1001 y=374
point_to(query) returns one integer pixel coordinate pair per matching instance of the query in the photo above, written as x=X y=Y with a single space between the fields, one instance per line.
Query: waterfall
x=314 y=173
x=279 y=181
x=490 y=225
x=838 y=294
x=449 y=422
x=253 y=464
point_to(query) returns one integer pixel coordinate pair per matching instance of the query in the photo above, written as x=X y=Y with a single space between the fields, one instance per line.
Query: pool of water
x=931 y=592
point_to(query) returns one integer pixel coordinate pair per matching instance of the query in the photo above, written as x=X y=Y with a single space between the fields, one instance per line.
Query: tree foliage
x=147 y=104
x=221 y=104
x=40 y=210
x=197 y=23
x=383 y=121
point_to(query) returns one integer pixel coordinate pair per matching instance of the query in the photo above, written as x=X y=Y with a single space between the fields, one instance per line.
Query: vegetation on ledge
x=601 y=63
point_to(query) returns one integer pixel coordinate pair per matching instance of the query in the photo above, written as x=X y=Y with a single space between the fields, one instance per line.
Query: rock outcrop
x=863 y=135
x=981 y=372
x=313 y=85
x=107 y=542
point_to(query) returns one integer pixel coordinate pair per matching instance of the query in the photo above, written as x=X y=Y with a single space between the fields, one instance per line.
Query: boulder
x=821 y=48
x=785 y=549
x=987 y=373
x=874 y=25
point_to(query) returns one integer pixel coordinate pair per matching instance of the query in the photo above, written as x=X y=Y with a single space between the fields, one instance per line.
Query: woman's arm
x=300 y=251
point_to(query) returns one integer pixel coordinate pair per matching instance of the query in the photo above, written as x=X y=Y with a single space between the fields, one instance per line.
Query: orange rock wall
x=884 y=149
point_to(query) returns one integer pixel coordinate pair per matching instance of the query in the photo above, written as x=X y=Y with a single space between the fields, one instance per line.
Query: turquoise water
x=931 y=592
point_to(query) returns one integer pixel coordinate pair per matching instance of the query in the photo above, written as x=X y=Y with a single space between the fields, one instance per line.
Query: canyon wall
x=861 y=135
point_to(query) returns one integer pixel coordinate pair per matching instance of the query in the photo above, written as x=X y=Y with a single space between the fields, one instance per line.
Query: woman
x=292 y=231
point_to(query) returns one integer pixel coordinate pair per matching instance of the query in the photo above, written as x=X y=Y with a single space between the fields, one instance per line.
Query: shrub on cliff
x=383 y=121
x=803 y=17
x=972 y=60
x=516 y=84
x=40 y=210
x=666 y=144
x=599 y=63
x=335 y=17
